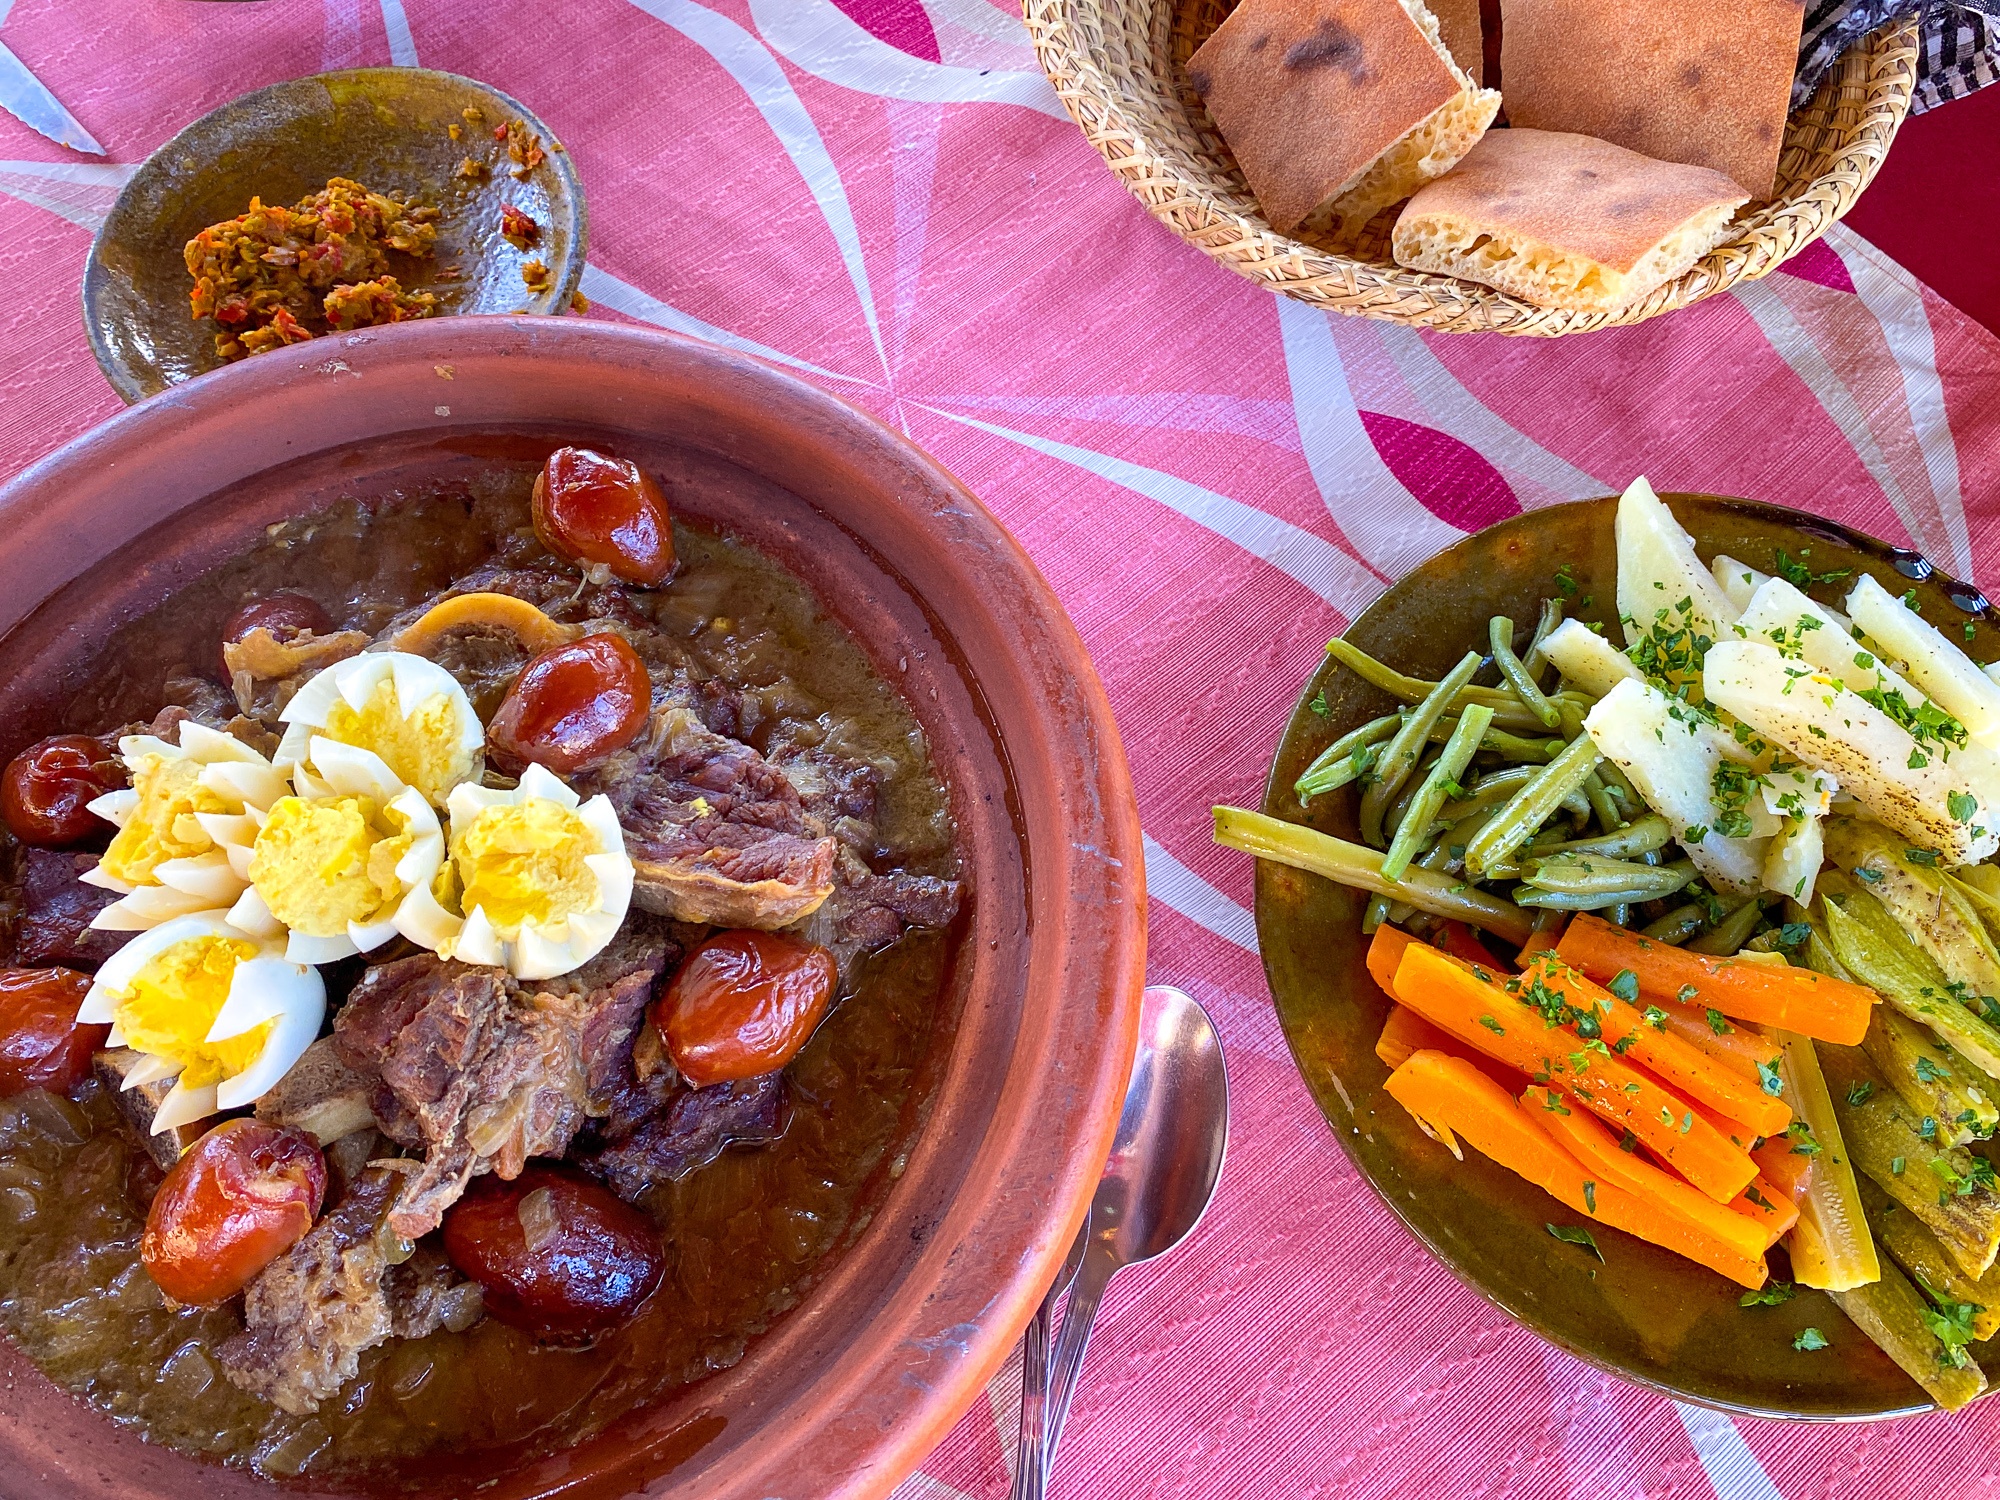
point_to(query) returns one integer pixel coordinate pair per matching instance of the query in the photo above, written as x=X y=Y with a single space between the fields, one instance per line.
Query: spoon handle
x=1031 y=1463
x=1098 y=1266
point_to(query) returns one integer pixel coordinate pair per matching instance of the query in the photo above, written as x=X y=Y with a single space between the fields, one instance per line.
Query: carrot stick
x=1788 y=1171
x=1484 y=1016
x=1579 y=1133
x=1404 y=1032
x=1764 y=1203
x=1688 y=1070
x=1452 y=1098
x=1385 y=951
x=1461 y=941
x=1740 y=1049
x=1542 y=939
x=1813 y=1004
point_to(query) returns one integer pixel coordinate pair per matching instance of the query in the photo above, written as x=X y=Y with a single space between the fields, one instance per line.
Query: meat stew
x=774 y=781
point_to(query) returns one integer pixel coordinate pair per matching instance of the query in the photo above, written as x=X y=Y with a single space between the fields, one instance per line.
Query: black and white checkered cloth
x=1961 y=44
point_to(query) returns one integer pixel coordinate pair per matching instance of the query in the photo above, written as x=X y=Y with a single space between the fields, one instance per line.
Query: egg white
x=538 y=950
x=342 y=771
x=354 y=681
x=265 y=987
x=204 y=882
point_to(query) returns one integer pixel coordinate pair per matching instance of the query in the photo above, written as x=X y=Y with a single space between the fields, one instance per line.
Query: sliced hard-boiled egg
x=185 y=801
x=542 y=879
x=405 y=709
x=329 y=866
x=220 y=1012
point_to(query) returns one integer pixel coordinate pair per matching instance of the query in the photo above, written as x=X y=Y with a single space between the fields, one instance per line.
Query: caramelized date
x=554 y=1253
x=595 y=509
x=41 y=1044
x=239 y=1198
x=744 y=1003
x=284 y=615
x=46 y=791
x=574 y=704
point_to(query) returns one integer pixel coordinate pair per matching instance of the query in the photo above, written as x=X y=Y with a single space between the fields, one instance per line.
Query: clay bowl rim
x=1330 y=1016
x=133 y=385
x=957 y=1300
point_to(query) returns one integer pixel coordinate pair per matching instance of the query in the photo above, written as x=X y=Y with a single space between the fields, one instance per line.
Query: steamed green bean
x=1400 y=758
x=1500 y=636
x=1415 y=824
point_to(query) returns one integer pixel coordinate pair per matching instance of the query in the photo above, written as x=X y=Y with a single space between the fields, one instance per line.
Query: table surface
x=1215 y=481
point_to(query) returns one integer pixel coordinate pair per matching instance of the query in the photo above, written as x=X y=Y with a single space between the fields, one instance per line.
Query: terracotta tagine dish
x=574 y=919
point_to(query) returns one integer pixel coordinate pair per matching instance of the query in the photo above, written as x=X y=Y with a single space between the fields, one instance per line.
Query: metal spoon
x=1031 y=1453
x=1164 y=1163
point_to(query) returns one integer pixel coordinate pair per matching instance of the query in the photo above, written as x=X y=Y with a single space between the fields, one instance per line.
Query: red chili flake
x=517 y=228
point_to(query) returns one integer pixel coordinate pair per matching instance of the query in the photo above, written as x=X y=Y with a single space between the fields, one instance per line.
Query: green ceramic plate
x=387 y=128
x=1644 y=1314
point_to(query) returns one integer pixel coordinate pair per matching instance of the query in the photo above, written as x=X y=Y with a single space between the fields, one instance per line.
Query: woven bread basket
x=1121 y=69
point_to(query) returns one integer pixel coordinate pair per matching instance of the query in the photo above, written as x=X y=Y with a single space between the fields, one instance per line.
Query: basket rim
x=1879 y=69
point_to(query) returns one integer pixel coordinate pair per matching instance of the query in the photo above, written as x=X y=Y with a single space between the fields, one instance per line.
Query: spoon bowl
x=1165 y=1161
x=1172 y=1136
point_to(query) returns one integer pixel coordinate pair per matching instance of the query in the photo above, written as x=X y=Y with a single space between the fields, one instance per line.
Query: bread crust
x=1311 y=93
x=1705 y=82
x=1463 y=34
x=1565 y=220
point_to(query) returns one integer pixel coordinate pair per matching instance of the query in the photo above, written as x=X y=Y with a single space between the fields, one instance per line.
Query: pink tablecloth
x=1214 y=481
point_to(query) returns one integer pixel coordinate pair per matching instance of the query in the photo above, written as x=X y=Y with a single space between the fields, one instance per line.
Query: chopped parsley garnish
x=1759 y=1199
x=1930 y=1072
x=1951 y=1324
x=1590 y=1196
x=1572 y=1234
x=1795 y=572
x=1566 y=582
x=1768 y=1295
x=1858 y=1093
x=1925 y=722
x=1655 y=1018
x=1768 y=1079
x=1717 y=1022
x=1492 y=1025
x=1808 y=1340
x=1925 y=857
x=1961 y=805
x=1793 y=935
x=1896 y=1165
x=1318 y=704
x=1625 y=985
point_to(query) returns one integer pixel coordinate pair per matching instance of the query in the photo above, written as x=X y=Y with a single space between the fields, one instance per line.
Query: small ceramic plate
x=386 y=128
x=1644 y=1314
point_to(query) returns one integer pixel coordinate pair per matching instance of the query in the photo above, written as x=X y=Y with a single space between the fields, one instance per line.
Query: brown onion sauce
x=744 y=1235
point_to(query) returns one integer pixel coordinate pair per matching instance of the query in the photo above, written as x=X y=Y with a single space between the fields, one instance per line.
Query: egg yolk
x=162 y=825
x=321 y=863
x=422 y=747
x=523 y=862
x=175 y=998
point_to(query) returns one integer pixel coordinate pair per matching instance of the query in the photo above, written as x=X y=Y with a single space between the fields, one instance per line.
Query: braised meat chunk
x=717 y=834
x=312 y=1312
x=483 y=1071
x=664 y=1130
